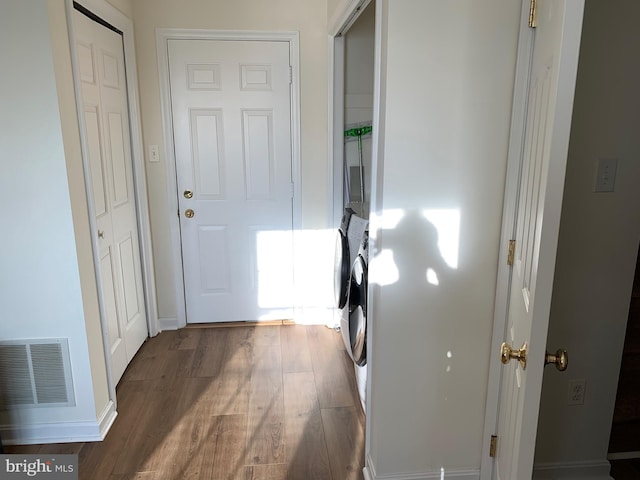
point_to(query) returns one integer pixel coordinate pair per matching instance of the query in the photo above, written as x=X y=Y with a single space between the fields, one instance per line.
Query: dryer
x=348 y=240
x=354 y=319
x=353 y=323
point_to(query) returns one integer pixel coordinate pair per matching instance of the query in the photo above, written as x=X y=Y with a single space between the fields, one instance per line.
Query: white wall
x=309 y=18
x=599 y=237
x=47 y=283
x=448 y=71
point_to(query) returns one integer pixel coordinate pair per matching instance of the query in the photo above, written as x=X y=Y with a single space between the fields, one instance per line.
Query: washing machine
x=354 y=319
x=356 y=325
x=350 y=286
x=348 y=240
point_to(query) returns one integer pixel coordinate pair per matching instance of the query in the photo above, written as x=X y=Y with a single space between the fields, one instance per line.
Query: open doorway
x=624 y=443
x=352 y=119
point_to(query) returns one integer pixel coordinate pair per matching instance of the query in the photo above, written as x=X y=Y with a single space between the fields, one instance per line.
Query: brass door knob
x=189 y=213
x=188 y=194
x=507 y=353
x=560 y=359
x=100 y=233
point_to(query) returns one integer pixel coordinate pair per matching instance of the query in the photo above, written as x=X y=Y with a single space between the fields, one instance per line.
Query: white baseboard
x=369 y=472
x=167 y=323
x=107 y=418
x=61 y=432
x=367 y=475
x=623 y=455
x=597 y=470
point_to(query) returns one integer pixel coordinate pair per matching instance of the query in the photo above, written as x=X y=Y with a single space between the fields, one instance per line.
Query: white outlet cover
x=606 y=175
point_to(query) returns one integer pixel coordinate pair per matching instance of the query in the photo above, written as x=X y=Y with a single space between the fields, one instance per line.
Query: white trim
x=366 y=474
x=106 y=419
x=61 y=432
x=344 y=16
x=377 y=169
x=448 y=474
x=108 y=13
x=163 y=35
x=501 y=304
x=462 y=474
x=622 y=455
x=336 y=129
x=593 y=470
x=168 y=323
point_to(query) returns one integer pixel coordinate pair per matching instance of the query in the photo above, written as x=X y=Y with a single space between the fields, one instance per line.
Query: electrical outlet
x=606 y=174
x=576 y=392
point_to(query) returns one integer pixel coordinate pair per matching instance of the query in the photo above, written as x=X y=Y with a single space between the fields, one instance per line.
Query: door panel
x=109 y=288
x=213 y=247
x=232 y=132
x=103 y=87
x=257 y=132
x=118 y=161
x=92 y=130
x=207 y=153
x=544 y=155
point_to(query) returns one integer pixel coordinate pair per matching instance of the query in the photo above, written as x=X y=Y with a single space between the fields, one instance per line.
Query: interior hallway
x=245 y=402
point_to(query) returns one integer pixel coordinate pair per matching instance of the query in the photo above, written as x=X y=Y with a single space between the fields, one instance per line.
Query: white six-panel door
x=100 y=57
x=549 y=110
x=231 y=113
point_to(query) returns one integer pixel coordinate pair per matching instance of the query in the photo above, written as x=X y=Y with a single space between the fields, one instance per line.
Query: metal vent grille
x=35 y=373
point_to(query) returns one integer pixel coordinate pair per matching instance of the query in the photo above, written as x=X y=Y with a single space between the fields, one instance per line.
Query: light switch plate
x=154 y=153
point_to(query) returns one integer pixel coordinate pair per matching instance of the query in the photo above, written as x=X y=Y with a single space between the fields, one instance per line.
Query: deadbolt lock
x=189 y=213
x=188 y=194
x=507 y=353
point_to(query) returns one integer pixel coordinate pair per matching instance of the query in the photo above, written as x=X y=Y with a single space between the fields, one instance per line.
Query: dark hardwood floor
x=242 y=403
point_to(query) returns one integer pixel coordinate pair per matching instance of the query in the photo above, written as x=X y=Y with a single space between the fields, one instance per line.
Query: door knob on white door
x=100 y=234
x=507 y=353
x=560 y=359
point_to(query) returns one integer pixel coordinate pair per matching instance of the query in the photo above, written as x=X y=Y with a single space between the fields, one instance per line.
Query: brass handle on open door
x=189 y=213
x=507 y=353
x=560 y=359
x=188 y=194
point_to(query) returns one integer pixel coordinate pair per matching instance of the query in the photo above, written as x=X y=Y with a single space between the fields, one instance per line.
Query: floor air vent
x=35 y=373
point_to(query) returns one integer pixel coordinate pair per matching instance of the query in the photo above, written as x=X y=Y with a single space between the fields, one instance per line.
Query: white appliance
x=350 y=286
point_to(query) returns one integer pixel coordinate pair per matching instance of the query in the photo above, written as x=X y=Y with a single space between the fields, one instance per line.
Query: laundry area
x=354 y=193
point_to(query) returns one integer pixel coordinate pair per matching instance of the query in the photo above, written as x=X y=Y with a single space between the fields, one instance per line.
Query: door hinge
x=533 y=13
x=512 y=252
x=290 y=74
x=493 y=446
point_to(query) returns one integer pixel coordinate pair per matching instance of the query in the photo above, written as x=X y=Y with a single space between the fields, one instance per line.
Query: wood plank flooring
x=236 y=403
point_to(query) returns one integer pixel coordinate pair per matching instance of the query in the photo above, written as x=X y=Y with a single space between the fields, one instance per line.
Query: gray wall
x=599 y=237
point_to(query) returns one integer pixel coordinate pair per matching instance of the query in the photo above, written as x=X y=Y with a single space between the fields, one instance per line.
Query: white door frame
x=511 y=195
x=163 y=35
x=111 y=15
